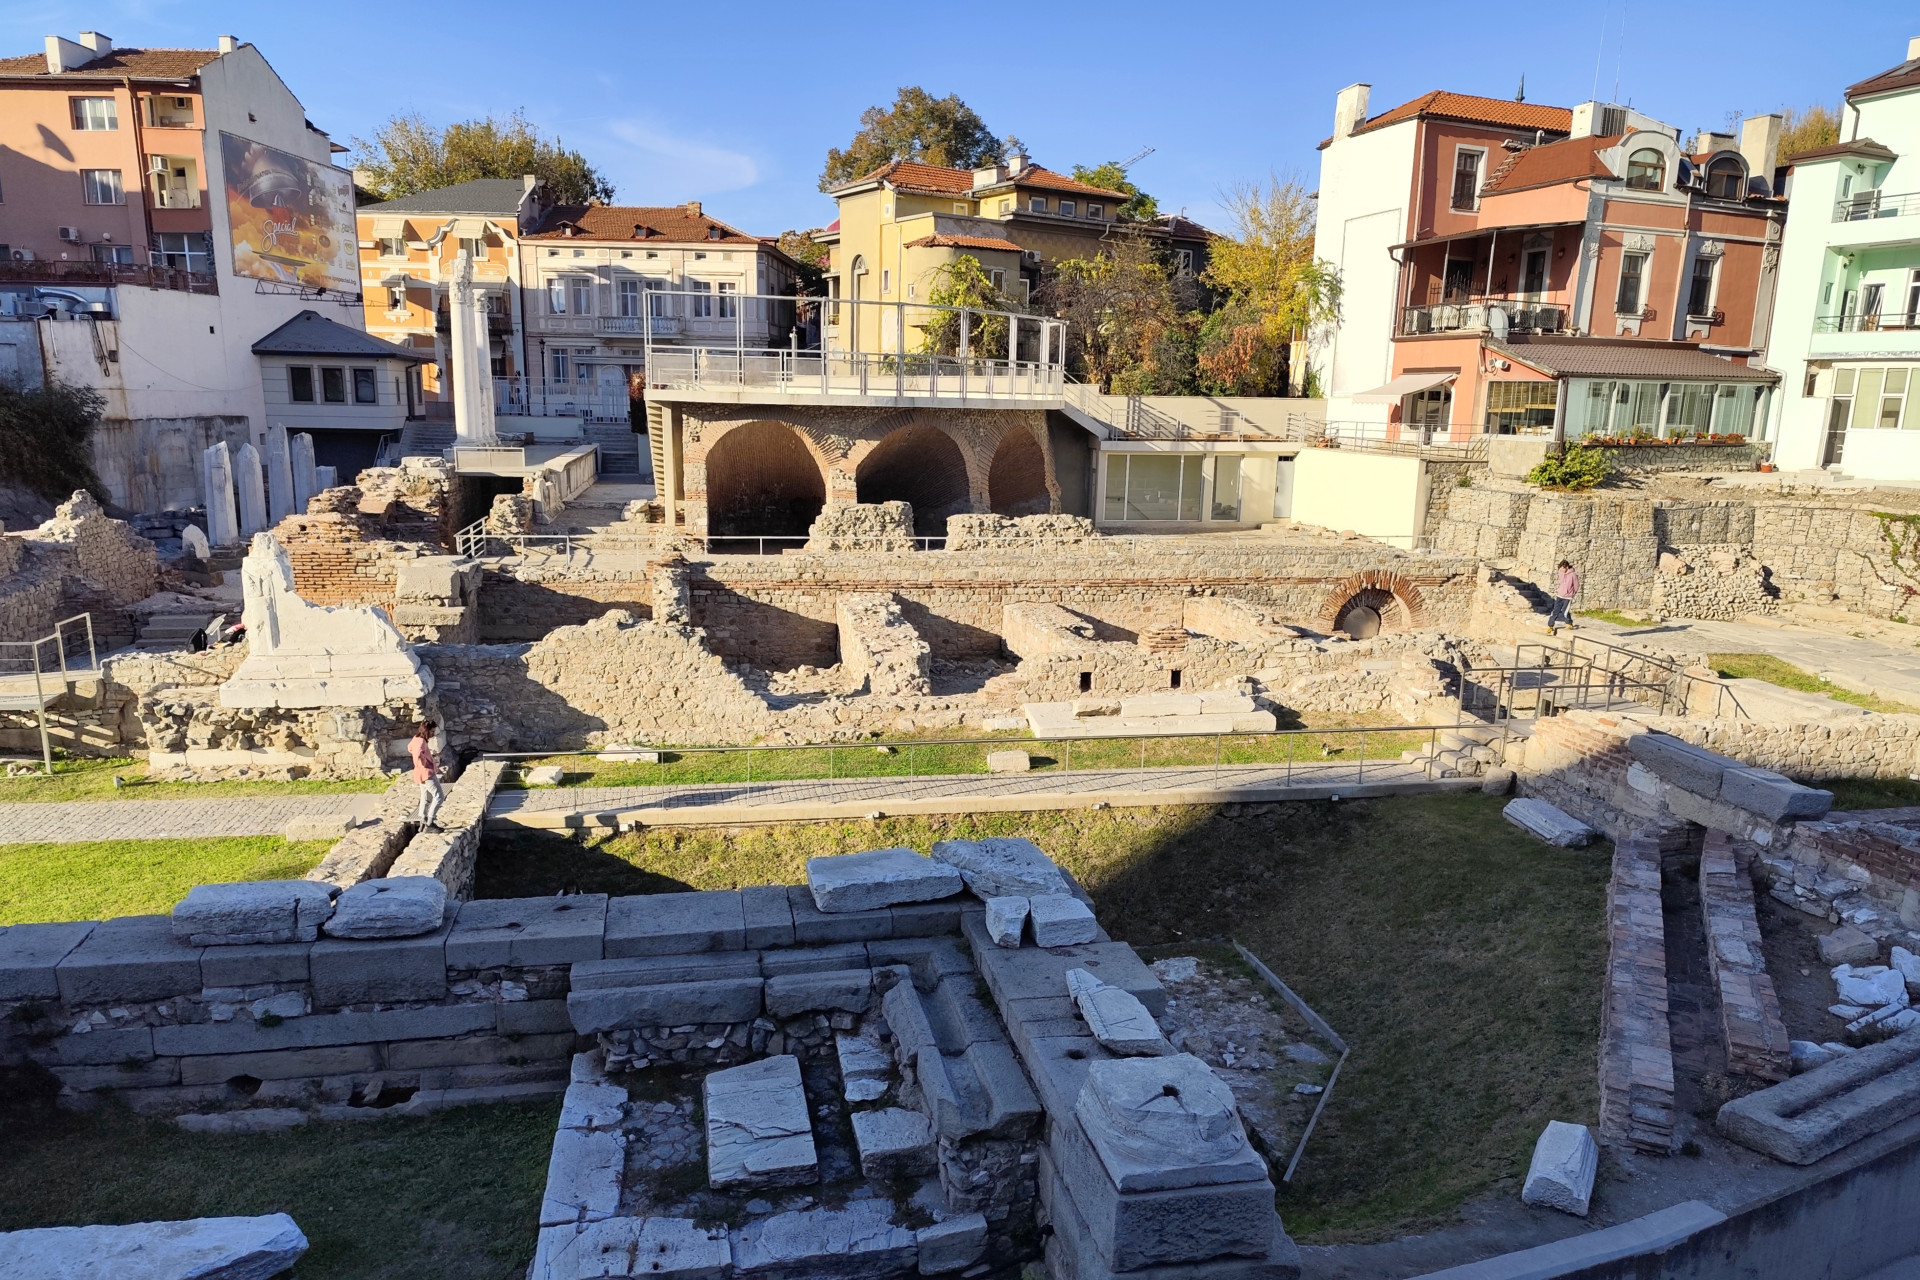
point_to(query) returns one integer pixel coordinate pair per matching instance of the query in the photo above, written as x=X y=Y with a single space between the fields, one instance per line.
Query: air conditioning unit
x=70 y=235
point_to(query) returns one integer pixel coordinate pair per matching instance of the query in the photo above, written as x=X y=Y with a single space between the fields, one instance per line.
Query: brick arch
x=763 y=477
x=1017 y=476
x=921 y=465
x=1405 y=609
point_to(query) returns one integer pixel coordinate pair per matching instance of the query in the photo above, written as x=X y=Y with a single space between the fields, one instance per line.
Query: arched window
x=1727 y=179
x=1646 y=170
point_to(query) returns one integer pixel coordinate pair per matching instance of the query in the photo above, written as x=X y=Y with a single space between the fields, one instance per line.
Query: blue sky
x=736 y=104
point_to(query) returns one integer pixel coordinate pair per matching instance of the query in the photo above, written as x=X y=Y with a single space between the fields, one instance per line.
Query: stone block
x=252 y=912
x=925 y=919
x=1686 y=766
x=665 y=924
x=1771 y=795
x=878 y=878
x=318 y=1030
x=1848 y=945
x=1059 y=1066
x=1832 y=1106
x=593 y=1106
x=1008 y=762
x=392 y=907
x=533 y=1017
x=1032 y=973
x=1012 y=1105
x=1002 y=866
x=478 y=1051
x=128 y=958
x=858 y=1240
x=1060 y=920
x=583 y=1177
x=907 y=1019
x=768 y=917
x=157 y=1073
x=1565 y=1159
x=943 y=1095
x=1163 y=1123
x=631 y=1248
x=317 y=826
x=1548 y=822
x=204 y=1248
x=827 y=959
x=958 y=1015
x=928 y=959
x=354 y=971
x=648 y=971
x=1006 y=920
x=1118 y=1021
x=98 y=1047
x=284 y=1064
x=862 y=1059
x=849 y=990
x=953 y=1245
x=546 y=775
x=498 y=932
x=676 y=1004
x=1870 y=986
x=257 y=965
x=29 y=954
x=894 y=1142
x=758 y=1130
x=811 y=925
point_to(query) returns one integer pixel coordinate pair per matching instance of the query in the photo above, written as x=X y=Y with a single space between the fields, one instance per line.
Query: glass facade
x=1230 y=488
x=1609 y=407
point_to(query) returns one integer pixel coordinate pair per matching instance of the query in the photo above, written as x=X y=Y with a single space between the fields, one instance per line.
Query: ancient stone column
x=279 y=475
x=250 y=487
x=223 y=525
x=472 y=372
x=305 y=482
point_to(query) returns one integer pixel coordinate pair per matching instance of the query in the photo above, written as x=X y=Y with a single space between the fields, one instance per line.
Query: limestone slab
x=129 y=958
x=1118 y=1021
x=1061 y=920
x=1006 y=920
x=252 y=912
x=846 y=990
x=319 y=1030
x=365 y=970
x=194 y=1249
x=593 y=1106
x=812 y=926
x=1847 y=945
x=953 y=1245
x=87 y=1045
x=664 y=924
x=862 y=1059
x=646 y=971
x=1031 y=973
x=878 y=878
x=827 y=959
x=317 y=826
x=893 y=1142
x=1162 y=1123
x=1002 y=866
x=546 y=775
x=925 y=919
x=583 y=1176
x=391 y=907
x=528 y=931
x=860 y=1238
x=1771 y=795
x=1548 y=822
x=1686 y=766
x=630 y=1248
x=1012 y=1107
x=1833 y=1105
x=1008 y=762
x=758 y=1130
x=668 y=1005
x=1565 y=1159
x=29 y=954
x=767 y=917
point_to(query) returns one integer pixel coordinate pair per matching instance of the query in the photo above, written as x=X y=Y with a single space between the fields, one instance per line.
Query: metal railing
x=1579 y=673
x=109 y=273
x=1456 y=317
x=31 y=676
x=857 y=373
x=1852 y=322
x=1134 y=418
x=1875 y=204
x=1422 y=440
x=524 y=397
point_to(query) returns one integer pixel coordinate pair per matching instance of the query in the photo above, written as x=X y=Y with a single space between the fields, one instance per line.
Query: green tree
x=1805 y=129
x=965 y=283
x=1275 y=290
x=407 y=154
x=1140 y=207
x=920 y=127
x=1123 y=314
x=810 y=254
x=46 y=440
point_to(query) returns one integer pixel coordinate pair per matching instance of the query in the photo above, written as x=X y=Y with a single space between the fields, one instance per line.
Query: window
x=581 y=290
x=562 y=366
x=1727 y=179
x=629 y=298
x=393 y=246
x=1870 y=306
x=1913 y=300
x=1700 y=291
x=171 y=111
x=582 y=371
x=92 y=114
x=1067 y=208
x=1096 y=212
x=1152 y=486
x=886 y=279
x=183 y=251
x=659 y=303
x=396 y=297
x=961 y=206
x=333 y=385
x=1036 y=204
x=1006 y=206
x=1226 y=487
x=1466 y=178
x=1534 y=276
x=1632 y=267
x=365 y=387
x=474 y=247
x=1517 y=406
x=729 y=299
x=121 y=254
x=1183 y=261
x=102 y=186
x=300 y=383
x=557 y=296
x=1646 y=170
x=997 y=278
x=1812 y=384
x=1893 y=397
x=700 y=256
x=700 y=306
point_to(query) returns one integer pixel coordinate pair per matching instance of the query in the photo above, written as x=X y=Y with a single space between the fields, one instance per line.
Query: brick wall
x=1636 y=1048
x=1750 y=1022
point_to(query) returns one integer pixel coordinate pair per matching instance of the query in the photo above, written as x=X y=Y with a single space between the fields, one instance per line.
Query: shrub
x=46 y=440
x=1577 y=468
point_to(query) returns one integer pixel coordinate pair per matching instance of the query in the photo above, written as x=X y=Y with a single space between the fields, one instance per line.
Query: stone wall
x=79 y=561
x=1718 y=581
x=1750 y=1022
x=1636 y=1048
x=879 y=651
x=861 y=526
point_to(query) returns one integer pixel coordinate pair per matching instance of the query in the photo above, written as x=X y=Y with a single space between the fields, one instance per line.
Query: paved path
x=1854 y=662
x=715 y=803
x=75 y=820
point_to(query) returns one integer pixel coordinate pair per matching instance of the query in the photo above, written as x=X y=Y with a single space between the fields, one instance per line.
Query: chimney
x=528 y=182
x=1760 y=146
x=65 y=55
x=989 y=175
x=1350 y=109
x=101 y=45
x=1017 y=162
x=229 y=43
x=693 y=208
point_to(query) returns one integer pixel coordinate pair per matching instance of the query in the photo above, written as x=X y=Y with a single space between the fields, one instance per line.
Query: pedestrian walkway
x=1852 y=662
x=71 y=821
x=707 y=804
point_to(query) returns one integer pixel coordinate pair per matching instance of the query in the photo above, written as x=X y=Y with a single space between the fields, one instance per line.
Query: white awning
x=1404 y=385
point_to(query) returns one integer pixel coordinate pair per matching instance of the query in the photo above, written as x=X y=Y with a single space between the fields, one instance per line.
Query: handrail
x=42 y=674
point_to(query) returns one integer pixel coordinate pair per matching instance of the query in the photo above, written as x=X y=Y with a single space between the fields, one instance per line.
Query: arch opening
x=1017 y=478
x=921 y=466
x=763 y=480
x=1367 y=613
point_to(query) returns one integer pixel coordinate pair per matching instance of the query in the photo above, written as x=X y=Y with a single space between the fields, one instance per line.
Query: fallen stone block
x=1847 y=945
x=632 y=755
x=1835 y=1104
x=878 y=878
x=394 y=907
x=1496 y=782
x=128 y=958
x=1163 y=1123
x=629 y=1248
x=1008 y=762
x=546 y=775
x=583 y=1176
x=758 y=1130
x=846 y=990
x=953 y=1245
x=1871 y=987
x=1686 y=766
x=1002 y=866
x=1908 y=965
x=1565 y=1159
x=196 y=1249
x=1549 y=823
x=1806 y=1055
x=1118 y=1021
x=862 y=1059
x=859 y=1240
x=318 y=826
x=1006 y=920
x=1061 y=920
x=263 y=1120
x=250 y=913
x=1771 y=795
x=667 y=924
x=894 y=1142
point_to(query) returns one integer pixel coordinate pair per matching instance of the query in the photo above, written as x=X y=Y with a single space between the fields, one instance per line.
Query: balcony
x=1476 y=317
x=1868 y=205
x=108 y=273
x=1866 y=324
x=176 y=198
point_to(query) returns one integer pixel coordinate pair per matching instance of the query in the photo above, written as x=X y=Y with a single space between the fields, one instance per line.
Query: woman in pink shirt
x=1566 y=585
x=426 y=772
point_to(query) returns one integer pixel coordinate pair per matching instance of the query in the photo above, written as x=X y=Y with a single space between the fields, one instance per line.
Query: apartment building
x=1513 y=267
x=161 y=210
x=1847 y=319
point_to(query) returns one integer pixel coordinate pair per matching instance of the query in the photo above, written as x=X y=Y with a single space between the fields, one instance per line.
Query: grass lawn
x=1461 y=959
x=450 y=1196
x=1614 y=616
x=1871 y=793
x=93 y=880
x=91 y=779
x=1764 y=666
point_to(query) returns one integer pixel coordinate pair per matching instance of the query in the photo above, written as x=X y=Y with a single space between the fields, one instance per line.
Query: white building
x=346 y=388
x=1846 y=328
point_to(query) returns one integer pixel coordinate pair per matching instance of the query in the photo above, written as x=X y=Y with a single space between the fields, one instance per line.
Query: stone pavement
x=725 y=802
x=69 y=821
x=1853 y=662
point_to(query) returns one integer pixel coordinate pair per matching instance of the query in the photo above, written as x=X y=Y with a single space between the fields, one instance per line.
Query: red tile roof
x=635 y=222
x=1627 y=358
x=1904 y=76
x=1866 y=147
x=159 y=64
x=963 y=242
x=1502 y=113
x=1550 y=164
x=1048 y=180
x=928 y=179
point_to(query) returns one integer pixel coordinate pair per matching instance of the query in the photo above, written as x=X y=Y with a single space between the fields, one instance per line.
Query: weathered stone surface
x=767 y=916
x=1162 y=1123
x=811 y=925
x=1689 y=767
x=878 y=878
x=893 y=1142
x=364 y=970
x=528 y=931
x=317 y=826
x=87 y=1045
x=1908 y=965
x=546 y=775
x=953 y=1245
x=1012 y=1106
x=651 y=971
x=1118 y=1021
x=593 y=1106
x=665 y=924
x=583 y=1176
x=29 y=954
x=196 y=1249
x=1819 y=1112
x=128 y=958
x=1537 y=817
x=394 y=907
x=1061 y=920
x=1031 y=973
x=1008 y=762
x=1002 y=866
x=1847 y=945
x=758 y=1131
x=630 y=1248
x=862 y=1059
x=265 y=1120
x=1006 y=920
x=1870 y=986
x=1565 y=1159
x=925 y=919
x=251 y=912
x=859 y=1238
x=1771 y=795
x=667 y=1005
x=849 y=990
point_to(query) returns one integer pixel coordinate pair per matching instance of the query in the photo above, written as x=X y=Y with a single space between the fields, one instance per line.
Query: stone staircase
x=1168 y=639
x=166 y=632
x=1465 y=752
x=426 y=438
x=619 y=450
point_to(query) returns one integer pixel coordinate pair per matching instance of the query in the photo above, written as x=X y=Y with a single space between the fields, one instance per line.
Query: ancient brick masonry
x=1636 y=1050
x=1750 y=1021
x=80 y=561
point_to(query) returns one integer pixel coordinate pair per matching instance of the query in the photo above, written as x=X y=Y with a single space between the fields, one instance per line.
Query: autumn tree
x=965 y=283
x=810 y=254
x=1275 y=290
x=408 y=154
x=919 y=127
x=1140 y=207
x=1124 y=311
x=1807 y=128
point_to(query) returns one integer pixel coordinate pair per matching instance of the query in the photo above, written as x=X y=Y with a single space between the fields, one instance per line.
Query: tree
x=1123 y=312
x=1807 y=128
x=920 y=127
x=1276 y=291
x=1140 y=207
x=46 y=440
x=965 y=283
x=810 y=254
x=408 y=154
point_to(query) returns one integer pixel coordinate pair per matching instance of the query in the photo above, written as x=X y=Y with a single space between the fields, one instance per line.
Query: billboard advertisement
x=291 y=219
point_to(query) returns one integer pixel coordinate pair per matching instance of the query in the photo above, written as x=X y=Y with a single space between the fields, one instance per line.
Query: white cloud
x=660 y=165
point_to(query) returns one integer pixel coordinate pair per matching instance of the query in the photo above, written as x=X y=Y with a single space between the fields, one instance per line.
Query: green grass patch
x=1764 y=666
x=1871 y=793
x=450 y=1196
x=1461 y=959
x=92 y=779
x=96 y=879
x=1614 y=616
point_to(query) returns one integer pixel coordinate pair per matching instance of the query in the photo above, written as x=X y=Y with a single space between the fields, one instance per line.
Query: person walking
x=426 y=772
x=1566 y=585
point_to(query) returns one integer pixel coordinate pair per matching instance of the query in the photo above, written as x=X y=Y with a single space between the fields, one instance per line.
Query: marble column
x=305 y=482
x=223 y=525
x=250 y=486
x=280 y=502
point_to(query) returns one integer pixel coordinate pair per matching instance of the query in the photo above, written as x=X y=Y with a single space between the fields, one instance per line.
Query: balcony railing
x=595 y=402
x=658 y=326
x=1865 y=323
x=176 y=198
x=1471 y=317
x=108 y=273
x=1868 y=205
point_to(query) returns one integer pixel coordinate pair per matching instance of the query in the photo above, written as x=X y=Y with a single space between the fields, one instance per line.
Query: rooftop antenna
x=1520 y=95
x=1135 y=158
x=1599 y=49
x=1617 y=50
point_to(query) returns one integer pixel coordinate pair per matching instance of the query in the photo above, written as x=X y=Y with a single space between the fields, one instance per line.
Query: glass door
x=1838 y=413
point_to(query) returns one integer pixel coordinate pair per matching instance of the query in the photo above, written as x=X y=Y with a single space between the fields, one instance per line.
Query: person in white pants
x=426 y=772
